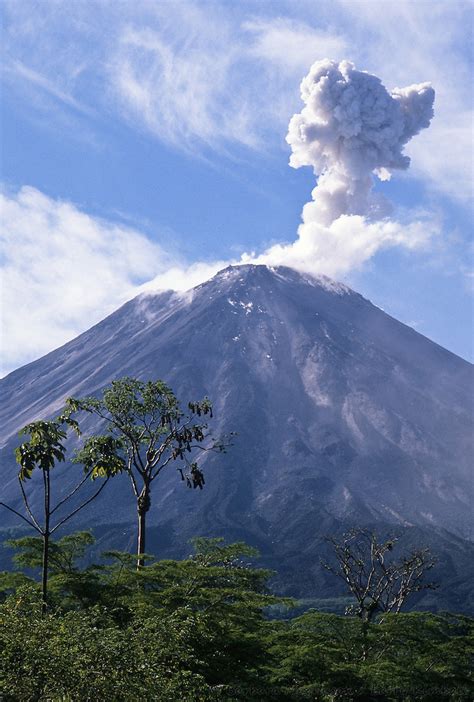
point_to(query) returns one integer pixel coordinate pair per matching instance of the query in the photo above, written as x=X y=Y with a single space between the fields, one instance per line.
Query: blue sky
x=145 y=141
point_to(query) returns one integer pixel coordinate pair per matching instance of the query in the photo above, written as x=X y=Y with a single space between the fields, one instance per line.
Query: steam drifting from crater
x=351 y=130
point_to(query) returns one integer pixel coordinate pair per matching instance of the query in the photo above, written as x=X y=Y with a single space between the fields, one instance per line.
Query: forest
x=208 y=628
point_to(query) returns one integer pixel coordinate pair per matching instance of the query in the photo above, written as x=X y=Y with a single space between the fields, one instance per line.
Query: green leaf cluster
x=45 y=445
x=198 y=629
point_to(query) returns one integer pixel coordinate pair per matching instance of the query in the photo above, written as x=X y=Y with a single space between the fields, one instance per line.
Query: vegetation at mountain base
x=199 y=629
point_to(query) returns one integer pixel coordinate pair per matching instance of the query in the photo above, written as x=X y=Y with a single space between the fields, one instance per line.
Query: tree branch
x=78 y=509
x=18 y=514
x=73 y=492
x=27 y=506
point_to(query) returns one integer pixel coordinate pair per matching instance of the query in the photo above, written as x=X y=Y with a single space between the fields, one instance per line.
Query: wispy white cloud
x=178 y=86
x=290 y=44
x=199 y=76
x=183 y=276
x=16 y=70
x=444 y=156
x=196 y=76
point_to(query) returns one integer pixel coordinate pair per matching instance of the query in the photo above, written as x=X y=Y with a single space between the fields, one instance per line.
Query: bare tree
x=378 y=582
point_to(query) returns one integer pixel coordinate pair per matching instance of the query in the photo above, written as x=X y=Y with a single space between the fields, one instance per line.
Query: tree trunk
x=367 y=616
x=44 y=575
x=46 y=535
x=143 y=505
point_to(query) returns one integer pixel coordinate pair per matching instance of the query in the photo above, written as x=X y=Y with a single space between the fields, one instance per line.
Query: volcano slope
x=344 y=416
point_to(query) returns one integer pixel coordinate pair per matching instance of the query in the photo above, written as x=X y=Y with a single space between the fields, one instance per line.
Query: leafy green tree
x=41 y=452
x=149 y=431
x=64 y=555
x=227 y=596
x=407 y=657
x=11 y=581
x=317 y=655
x=422 y=655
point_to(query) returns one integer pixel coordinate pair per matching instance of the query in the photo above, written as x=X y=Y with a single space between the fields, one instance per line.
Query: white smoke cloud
x=350 y=130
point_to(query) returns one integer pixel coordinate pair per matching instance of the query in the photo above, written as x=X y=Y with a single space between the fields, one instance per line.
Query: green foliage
x=139 y=413
x=197 y=629
x=69 y=586
x=44 y=448
x=85 y=656
x=11 y=582
x=64 y=554
x=146 y=428
x=402 y=658
x=101 y=456
x=45 y=445
x=216 y=586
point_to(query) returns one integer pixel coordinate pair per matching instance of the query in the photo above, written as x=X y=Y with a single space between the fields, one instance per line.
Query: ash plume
x=351 y=130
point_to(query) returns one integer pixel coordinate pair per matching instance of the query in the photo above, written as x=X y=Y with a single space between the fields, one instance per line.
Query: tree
x=149 y=431
x=415 y=656
x=377 y=581
x=42 y=451
x=226 y=595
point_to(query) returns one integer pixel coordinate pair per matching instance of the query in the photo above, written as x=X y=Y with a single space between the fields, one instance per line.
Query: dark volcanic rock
x=344 y=415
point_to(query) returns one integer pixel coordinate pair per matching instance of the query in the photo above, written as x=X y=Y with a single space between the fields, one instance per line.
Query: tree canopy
x=200 y=629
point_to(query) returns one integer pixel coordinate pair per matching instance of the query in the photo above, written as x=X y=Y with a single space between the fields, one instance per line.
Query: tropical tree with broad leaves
x=41 y=452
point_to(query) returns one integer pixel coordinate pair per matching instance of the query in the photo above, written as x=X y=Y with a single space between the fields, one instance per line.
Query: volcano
x=343 y=416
